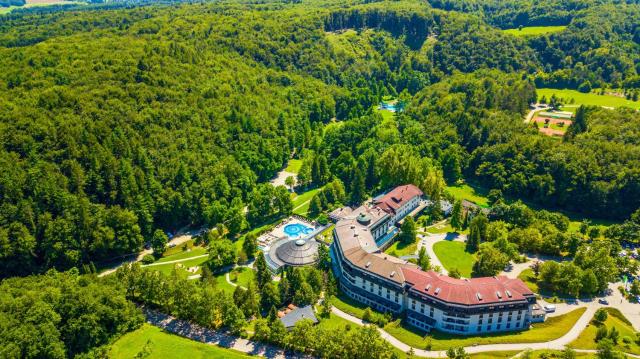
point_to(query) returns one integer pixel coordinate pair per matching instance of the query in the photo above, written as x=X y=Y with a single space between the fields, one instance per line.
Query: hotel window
x=508 y=325
x=488 y=327
x=498 y=327
x=490 y=320
x=500 y=320
x=480 y=321
x=431 y=312
x=481 y=316
x=478 y=329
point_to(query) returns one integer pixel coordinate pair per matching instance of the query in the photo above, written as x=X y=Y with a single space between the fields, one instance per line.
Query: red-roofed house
x=400 y=201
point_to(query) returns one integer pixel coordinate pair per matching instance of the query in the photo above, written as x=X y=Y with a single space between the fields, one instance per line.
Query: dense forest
x=123 y=121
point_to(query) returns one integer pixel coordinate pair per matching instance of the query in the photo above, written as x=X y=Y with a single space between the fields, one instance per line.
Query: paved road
x=208 y=336
x=557 y=344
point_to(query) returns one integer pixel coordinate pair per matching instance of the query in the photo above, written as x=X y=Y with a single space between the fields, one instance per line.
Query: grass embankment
x=453 y=255
x=348 y=305
x=494 y=355
x=552 y=328
x=534 y=30
x=473 y=194
x=153 y=342
x=301 y=202
x=591 y=98
x=529 y=278
x=587 y=339
x=540 y=354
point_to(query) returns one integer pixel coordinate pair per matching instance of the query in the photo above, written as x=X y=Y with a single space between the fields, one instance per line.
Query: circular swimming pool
x=296 y=229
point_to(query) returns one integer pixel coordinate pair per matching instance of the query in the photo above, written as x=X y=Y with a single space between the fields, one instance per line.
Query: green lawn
x=348 y=305
x=534 y=30
x=334 y=322
x=529 y=278
x=494 y=355
x=153 y=342
x=473 y=194
x=540 y=354
x=301 y=202
x=182 y=254
x=386 y=114
x=586 y=340
x=552 y=328
x=443 y=228
x=181 y=267
x=294 y=166
x=327 y=234
x=586 y=98
x=399 y=249
x=240 y=276
x=453 y=255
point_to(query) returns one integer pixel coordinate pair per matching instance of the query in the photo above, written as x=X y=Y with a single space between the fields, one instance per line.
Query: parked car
x=549 y=308
x=603 y=301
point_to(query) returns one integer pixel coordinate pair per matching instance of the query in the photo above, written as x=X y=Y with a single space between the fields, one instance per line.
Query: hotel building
x=428 y=300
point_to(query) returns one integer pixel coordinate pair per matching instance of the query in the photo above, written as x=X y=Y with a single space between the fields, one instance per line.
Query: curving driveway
x=557 y=344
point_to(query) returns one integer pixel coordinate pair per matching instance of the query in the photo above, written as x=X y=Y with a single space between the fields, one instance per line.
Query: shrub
x=626 y=340
x=323 y=219
x=601 y=333
x=600 y=316
x=148 y=259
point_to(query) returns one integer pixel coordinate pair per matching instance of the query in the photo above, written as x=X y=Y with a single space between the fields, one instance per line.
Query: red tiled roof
x=473 y=291
x=397 y=197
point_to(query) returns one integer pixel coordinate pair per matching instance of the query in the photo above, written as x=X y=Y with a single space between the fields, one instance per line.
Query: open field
x=293 y=166
x=473 y=194
x=534 y=30
x=586 y=99
x=453 y=255
x=152 y=342
x=586 y=340
x=38 y=3
x=552 y=328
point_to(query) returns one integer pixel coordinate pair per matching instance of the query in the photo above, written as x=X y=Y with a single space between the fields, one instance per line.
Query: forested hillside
x=119 y=122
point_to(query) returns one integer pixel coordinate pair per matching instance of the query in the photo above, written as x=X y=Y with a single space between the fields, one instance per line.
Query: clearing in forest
x=573 y=99
x=534 y=30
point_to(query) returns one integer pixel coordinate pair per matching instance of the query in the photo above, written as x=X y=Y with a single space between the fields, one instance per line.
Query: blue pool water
x=296 y=229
